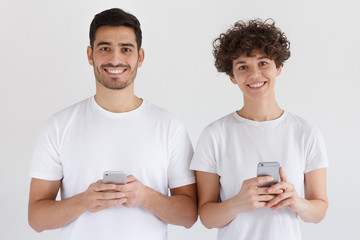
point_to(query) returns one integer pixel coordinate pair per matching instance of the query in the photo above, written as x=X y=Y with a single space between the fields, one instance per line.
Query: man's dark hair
x=115 y=17
x=247 y=38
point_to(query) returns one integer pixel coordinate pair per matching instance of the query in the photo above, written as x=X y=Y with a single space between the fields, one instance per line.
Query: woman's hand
x=289 y=198
x=251 y=196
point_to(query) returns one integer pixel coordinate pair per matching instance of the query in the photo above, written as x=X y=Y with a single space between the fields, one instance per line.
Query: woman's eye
x=242 y=67
x=263 y=63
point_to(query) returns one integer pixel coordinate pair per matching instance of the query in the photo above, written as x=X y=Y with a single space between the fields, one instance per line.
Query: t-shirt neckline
x=107 y=113
x=260 y=123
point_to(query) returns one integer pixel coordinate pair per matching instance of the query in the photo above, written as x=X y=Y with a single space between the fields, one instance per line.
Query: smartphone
x=116 y=177
x=269 y=169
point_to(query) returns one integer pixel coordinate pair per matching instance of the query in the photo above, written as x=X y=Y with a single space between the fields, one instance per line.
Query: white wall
x=44 y=69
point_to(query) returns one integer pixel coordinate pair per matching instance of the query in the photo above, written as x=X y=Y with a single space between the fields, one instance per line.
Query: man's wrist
x=81 y=202
x=147 y=197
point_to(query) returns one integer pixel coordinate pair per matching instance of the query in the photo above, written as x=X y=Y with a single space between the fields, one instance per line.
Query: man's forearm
x=51 y=214
x=177 y=209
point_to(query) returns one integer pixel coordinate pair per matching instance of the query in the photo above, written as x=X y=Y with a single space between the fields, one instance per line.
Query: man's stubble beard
x=116 y=84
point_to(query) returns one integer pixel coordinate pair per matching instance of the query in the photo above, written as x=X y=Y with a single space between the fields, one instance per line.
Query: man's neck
x=117 y=101
x=261 y=110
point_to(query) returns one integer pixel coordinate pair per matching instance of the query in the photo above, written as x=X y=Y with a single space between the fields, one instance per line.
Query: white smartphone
x=269 y=169
x=115 y=177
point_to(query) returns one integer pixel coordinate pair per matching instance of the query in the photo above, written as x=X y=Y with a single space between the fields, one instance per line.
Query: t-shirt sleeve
x=204 y=158
x=316 y=156
x=46 y=158
x=181 y=152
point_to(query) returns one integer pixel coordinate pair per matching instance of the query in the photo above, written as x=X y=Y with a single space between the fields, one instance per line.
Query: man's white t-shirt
x=81 y=142
x=232 y=146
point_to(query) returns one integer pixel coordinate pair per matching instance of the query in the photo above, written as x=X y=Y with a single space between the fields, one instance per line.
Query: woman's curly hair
x=248 y=37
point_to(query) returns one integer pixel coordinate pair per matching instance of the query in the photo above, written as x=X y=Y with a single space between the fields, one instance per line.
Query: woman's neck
x=260 y=110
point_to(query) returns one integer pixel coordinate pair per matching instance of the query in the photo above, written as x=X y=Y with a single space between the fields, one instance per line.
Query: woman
x=228 y=151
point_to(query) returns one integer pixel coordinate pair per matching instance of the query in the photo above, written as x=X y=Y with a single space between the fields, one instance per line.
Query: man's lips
x=115 y=71
x=118 y=69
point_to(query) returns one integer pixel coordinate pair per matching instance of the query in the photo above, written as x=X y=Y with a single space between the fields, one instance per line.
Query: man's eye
x=126 y=50
x=105 y=49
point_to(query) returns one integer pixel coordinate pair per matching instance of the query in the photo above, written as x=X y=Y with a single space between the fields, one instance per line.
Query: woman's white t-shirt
x=232 y=146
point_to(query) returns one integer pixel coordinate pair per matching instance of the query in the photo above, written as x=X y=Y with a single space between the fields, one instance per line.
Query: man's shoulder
x=162 y=114
x=71 y=111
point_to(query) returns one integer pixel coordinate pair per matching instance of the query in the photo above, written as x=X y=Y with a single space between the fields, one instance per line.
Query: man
x=114 y=130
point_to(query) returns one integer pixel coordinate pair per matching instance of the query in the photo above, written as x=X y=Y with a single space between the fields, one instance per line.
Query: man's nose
x=116 y=58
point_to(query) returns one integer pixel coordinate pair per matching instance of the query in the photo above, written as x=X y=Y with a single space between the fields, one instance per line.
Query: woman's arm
x=313 y=207
x=215 y=214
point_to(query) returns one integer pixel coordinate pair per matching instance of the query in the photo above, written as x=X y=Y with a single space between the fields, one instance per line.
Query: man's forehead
x=112 y=34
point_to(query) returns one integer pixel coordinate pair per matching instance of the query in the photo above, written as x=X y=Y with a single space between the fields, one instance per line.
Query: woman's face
x=255 y=75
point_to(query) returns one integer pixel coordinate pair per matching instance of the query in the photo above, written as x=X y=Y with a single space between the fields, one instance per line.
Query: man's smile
x=115 y=70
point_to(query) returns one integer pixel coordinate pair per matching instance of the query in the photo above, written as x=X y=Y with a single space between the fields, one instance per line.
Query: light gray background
x=44 y=69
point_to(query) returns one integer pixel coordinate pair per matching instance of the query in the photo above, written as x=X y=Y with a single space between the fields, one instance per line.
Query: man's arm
x=47 y=213
x=179 y=209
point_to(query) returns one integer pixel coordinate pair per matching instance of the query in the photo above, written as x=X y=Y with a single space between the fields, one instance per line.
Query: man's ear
x=89 y=55
x=141 y=57
x=278 y=71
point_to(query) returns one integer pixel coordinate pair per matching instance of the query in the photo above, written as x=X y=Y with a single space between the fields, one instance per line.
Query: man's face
x=115 y=56
x=255 y=75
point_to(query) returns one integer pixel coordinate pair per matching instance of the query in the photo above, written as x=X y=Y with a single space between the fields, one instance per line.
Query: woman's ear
x=233 y=80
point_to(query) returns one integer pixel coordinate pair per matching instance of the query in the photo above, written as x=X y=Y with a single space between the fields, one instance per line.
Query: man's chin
x=114 y=85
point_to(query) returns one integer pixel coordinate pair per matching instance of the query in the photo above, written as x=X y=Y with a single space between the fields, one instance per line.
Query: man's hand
x=100 y=196
x=134 y=191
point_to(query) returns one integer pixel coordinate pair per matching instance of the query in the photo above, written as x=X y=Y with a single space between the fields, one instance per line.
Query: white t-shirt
x=232 y=146
x=81 y=142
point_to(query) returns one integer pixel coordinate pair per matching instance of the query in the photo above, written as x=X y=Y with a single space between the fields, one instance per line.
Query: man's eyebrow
x=103 y=43
x=120 y=44
x=126 y=45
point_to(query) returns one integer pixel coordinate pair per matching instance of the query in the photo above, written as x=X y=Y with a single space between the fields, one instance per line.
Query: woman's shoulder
x=221 y=122
x=300 y=123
